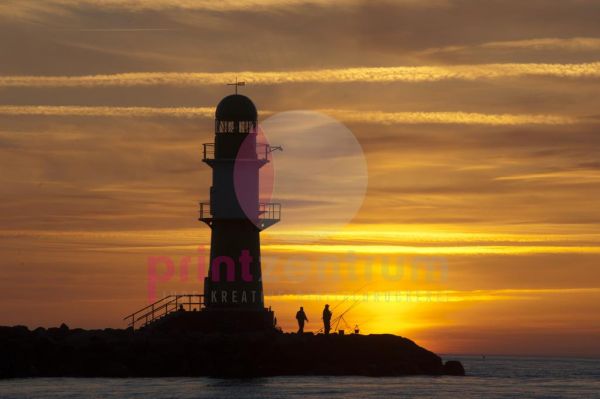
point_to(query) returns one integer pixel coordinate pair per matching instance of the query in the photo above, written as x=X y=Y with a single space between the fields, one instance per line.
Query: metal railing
x=208 y=151
x=205 y=211
x=269 y=213
x=163 y=307
x=269 y=210
x=263 y=151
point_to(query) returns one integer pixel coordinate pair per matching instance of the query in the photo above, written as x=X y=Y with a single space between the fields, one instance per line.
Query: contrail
x=410 y=74
x=115 y=30
x=376 y=117
x=70 y=110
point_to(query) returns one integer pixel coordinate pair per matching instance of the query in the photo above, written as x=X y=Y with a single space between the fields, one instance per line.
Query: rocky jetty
x=64 y=352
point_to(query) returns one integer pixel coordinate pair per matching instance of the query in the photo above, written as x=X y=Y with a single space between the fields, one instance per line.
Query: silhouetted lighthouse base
x=234 y=321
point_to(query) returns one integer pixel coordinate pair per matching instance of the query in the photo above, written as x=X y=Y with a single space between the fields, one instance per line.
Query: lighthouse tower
x=233 y=288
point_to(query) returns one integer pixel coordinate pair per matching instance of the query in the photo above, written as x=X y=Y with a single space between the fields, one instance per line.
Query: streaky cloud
x=448 y=295
x=569 y=176
x=432 y=250
x=47 y=6
x=376 y=117
x=59 y=110
x=460 y=118
x=575 y=43
x=546 y=43
x=408 y=74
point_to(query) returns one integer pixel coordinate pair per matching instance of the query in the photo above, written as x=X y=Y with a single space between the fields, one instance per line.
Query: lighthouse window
x=234 y=126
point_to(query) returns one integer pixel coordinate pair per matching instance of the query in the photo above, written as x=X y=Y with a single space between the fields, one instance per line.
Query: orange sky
x=478 y=124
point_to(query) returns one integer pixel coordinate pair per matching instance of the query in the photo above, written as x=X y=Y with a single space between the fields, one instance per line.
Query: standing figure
x=326 y=319
x=301 y=317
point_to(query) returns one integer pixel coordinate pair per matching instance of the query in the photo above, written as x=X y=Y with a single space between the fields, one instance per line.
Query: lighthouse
x=233 y=299
x=233 y=288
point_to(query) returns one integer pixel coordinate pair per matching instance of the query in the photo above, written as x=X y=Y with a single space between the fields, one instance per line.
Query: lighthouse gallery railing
x=269 y=213
x=263 y=151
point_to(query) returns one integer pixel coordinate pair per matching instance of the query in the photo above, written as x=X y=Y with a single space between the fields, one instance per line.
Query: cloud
x=157 y=5
x=437 y=295
x=566 y=176
x=411 y=74
x=377 y=117
x=193 y=5
x=431 y=250
x=576 y=43
x=462 y=118
x=119 y=30
x=45 y=110
x=554 y=44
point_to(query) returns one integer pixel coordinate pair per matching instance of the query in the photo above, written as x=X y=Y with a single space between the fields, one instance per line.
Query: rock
x=13 y=332
x=454 y=367
x=62 y=352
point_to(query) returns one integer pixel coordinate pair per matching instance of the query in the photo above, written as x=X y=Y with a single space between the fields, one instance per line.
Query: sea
x=492 y=377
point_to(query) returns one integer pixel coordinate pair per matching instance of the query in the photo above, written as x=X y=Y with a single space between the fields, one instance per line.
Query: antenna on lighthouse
x=236 y=84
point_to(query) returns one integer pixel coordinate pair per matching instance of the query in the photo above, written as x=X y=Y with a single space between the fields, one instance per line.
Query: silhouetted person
x=181 y=309
x=301 y=317
x=326 y=319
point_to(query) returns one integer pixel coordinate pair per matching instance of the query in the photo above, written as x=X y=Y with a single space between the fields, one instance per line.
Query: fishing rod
x=350 y=295
x=341 y=316
x=344 y=301
x=337 y=320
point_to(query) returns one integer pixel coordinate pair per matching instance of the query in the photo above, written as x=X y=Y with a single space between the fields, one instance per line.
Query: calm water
x=495 y=377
